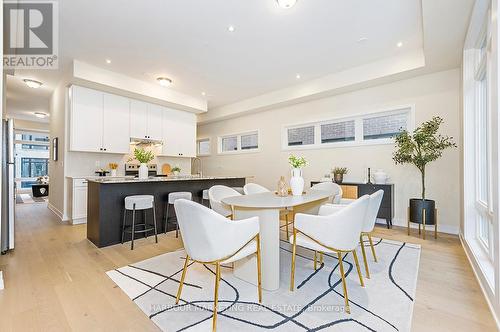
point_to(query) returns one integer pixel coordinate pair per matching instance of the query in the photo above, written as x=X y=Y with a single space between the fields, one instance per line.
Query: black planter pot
x=339 y=178
x=417 y=205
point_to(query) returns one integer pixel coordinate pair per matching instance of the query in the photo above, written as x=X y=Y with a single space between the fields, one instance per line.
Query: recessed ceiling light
x=230 y=28
x=108 y=61
x=400 y=44
x=32 y=83
x=286 y=3
x=362 y=40
x=203 y=93
x=297 y=76
x=164 y=81
x=40 y=115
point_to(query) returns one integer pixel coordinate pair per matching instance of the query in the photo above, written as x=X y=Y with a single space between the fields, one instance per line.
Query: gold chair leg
x=355 y=255
x=373 y=248
x=287 y=231
x=346 y=299
x=315 y=260
x=181 y=283
x=363 y=252
x=259 y=272
x=216 y=296
x=294 y=250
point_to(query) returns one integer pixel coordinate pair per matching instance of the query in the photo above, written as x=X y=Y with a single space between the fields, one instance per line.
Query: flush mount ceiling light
x=286 y=3
x=230 y=28
x=32 y=83
x=108 y=61
x=297 y=76
x=399 y=44
x=40 y=115
x=203 y=93
x=164 y=81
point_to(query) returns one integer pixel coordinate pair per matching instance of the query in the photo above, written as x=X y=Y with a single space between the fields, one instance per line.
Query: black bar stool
x=139 y=203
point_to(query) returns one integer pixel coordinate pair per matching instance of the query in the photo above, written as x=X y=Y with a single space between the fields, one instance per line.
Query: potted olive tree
x=421 y=147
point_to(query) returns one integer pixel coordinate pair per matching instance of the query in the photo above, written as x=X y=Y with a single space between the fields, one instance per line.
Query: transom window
x=244 y=142
x=370 y=128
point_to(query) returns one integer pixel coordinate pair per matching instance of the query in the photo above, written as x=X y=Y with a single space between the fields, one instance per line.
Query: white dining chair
x=216 y=194
x=254 y=188
x=368 y=225
x=331 y=187
x=335 y=233
x=210 y=238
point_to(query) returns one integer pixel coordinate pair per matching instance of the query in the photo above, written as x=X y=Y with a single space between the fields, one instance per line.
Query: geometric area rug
x=317 y=304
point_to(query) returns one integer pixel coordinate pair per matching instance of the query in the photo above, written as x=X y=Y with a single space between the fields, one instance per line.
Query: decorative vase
x=143 y=171
x=113 y=172
x=282 y=188
x=297 y=182
x=380 y=177
x=339 y=178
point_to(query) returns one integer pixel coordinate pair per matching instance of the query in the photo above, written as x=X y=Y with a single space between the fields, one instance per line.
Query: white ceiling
x=188 y=41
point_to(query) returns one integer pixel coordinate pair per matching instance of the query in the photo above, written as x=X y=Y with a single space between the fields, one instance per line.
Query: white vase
x=143 y=171
x=380 y=177
x=113 y=172
x=297 y=182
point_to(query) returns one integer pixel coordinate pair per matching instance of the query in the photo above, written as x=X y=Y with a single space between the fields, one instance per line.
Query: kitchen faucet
x=199 y=170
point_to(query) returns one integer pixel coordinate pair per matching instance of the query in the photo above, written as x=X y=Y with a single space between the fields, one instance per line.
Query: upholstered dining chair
x=254 y=188
x=331 y=187
x=368 y=225
x=216 y=194
x=335 y=233
x=210 y=238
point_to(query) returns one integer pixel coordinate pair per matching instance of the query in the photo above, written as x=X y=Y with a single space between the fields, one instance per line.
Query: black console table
x=357 y=190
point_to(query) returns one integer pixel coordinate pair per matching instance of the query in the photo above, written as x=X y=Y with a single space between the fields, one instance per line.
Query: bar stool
x=172 y=197
x=139 y=203
x=204 y=197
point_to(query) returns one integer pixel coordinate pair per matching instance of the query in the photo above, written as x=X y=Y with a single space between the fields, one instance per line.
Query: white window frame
x=238 y=143
x=358 y=129
x=205 y=139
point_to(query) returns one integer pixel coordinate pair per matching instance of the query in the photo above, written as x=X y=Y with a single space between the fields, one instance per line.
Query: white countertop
x=271 y=200
x=109 y=179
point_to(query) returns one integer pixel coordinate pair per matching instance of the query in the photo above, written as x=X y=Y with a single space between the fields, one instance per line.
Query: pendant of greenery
x=422 y=147
x=143 y=156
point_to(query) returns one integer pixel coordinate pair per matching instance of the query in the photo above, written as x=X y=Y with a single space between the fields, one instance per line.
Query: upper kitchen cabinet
x=97 y=121
x=145 y=120
x=179 y=133
x=116 y=121
x=86 y=119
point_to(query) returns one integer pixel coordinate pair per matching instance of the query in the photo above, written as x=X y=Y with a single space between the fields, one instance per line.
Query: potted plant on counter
x=421 y=147
x=338 y=174
x=297 y=181
x=113 y=167
x=143 y=157
x=176 y=170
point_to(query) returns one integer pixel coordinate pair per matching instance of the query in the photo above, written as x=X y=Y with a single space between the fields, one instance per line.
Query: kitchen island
x=106 y=201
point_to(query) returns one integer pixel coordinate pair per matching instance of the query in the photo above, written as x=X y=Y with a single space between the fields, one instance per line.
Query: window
x=34 y=167
x=244 y=142
x=40 y=141
x=385 y=126
x=337 y=132
x=301 y=136
x=371 y=128
x=203 y=147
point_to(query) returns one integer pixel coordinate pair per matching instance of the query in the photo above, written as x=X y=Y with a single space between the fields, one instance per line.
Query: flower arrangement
x=297 y=162
x=176 y=170
x=340 y=170
x=143 y=156
x=113 y=166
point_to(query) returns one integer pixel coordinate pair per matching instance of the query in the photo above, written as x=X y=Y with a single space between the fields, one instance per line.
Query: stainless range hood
x=145 y=141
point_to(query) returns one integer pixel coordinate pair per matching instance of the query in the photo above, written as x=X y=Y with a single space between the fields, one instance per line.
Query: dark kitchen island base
x=105 y=204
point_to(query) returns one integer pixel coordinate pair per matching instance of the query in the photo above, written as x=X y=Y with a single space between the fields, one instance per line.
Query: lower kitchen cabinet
x=78 y=201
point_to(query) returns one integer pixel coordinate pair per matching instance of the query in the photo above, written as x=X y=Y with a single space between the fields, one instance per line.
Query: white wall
x=434 y=94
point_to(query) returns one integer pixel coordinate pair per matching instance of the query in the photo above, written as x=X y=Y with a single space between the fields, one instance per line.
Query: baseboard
x=448 y=229
x=57 y=212
x=471 y=259
x=78 y=221
x=2 y=285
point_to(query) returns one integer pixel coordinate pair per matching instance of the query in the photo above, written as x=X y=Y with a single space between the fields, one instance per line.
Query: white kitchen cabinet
x=79 y=201
x=116 y=121
x=86 y=119
x=138 y=119
x=154 y=127
x=179 y=133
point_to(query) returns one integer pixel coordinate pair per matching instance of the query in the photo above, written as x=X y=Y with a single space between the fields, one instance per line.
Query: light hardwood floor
x=55 y=280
